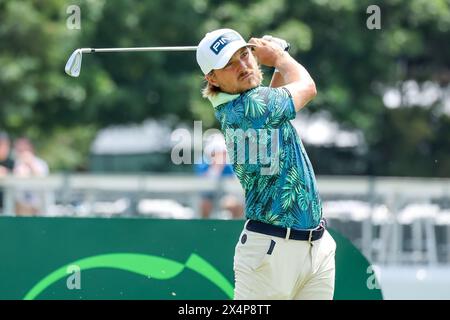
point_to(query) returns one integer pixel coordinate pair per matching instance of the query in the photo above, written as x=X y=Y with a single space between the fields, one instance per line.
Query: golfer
x=284 y=250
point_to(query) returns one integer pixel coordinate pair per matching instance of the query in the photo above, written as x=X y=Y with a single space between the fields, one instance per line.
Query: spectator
x=27 y=165
x=218 y=168
x=6 y=163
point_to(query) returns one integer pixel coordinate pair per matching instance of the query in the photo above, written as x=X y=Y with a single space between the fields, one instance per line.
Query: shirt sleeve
x=270 y=107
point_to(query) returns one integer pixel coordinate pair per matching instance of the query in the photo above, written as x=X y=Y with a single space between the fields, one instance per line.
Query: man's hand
x=266 y=52
x=295 y=77
x=281 y=42
x=277 y=79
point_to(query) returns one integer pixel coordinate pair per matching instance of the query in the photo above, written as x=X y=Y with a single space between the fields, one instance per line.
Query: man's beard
x=254 y=80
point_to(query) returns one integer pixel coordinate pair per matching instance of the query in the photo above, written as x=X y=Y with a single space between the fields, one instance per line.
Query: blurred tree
x=36 y=98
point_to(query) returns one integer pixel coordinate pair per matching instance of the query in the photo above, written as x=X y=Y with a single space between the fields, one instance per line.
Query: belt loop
x=288 y=233
x=245 y=225
x=310 y=236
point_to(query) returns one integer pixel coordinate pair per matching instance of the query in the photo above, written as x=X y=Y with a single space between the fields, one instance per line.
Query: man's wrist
x=279 y=60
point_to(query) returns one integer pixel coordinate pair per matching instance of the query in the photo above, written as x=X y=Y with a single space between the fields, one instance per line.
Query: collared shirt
x=269 y=158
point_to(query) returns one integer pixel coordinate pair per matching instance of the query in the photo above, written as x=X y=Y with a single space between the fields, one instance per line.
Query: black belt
x=305 y=235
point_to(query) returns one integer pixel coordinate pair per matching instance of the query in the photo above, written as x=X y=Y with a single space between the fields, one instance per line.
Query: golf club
x=73 y=65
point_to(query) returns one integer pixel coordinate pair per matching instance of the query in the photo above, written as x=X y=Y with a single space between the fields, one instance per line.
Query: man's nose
x=242 y=65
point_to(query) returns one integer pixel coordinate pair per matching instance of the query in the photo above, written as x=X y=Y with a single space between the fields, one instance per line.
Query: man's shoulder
x=225 y=99
x=263 y=92
x=254 y=91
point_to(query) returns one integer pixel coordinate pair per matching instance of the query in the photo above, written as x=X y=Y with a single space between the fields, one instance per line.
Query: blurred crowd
x=218 y=204
x=18 y=159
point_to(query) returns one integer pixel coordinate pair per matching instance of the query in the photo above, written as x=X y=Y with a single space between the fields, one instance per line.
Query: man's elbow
x=304 y=94
x=312 y=90
x=309 y=92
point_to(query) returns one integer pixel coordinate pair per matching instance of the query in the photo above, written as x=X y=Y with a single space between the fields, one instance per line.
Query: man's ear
x=212 y=79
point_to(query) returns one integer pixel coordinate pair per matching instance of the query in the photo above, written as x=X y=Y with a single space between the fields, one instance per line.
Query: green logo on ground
x=145 y=265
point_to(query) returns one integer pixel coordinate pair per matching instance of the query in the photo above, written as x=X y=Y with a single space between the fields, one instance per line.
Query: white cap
x=217 y=48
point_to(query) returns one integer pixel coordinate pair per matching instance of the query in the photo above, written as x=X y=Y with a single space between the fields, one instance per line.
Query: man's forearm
x=277 y=80
x=292 y=71
x=296 y=79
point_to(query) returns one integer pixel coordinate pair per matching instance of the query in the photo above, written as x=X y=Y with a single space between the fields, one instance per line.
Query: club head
x=73 y=65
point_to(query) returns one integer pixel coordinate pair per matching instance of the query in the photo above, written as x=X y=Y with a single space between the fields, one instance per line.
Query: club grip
x=281 y=42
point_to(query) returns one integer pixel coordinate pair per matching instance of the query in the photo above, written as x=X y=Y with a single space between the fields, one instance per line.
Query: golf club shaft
x=92 y=50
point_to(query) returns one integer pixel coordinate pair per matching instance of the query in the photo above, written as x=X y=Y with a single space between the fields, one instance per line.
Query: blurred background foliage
x=353 y=68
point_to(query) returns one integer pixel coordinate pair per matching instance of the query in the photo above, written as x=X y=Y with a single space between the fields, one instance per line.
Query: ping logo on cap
x=222 y=41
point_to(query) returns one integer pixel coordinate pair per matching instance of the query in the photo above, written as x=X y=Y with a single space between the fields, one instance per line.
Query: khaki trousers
x=269 y=268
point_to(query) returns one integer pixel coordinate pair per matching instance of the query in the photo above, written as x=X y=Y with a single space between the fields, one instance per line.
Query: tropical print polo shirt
x=269 y=158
